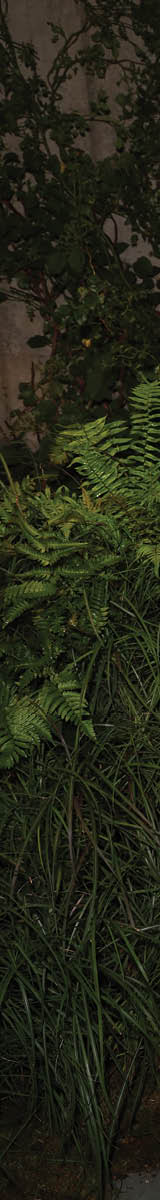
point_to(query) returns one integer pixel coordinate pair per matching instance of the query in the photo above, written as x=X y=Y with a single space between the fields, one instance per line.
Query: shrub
x=79 y=743
x=99 y=314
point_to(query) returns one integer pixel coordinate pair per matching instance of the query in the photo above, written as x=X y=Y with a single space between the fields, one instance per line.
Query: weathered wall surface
x=28 y=21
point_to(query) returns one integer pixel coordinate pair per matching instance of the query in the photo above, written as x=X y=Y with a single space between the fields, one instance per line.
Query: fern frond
x=114 y=461
x=25 y=595
x=64 y=697
x=145 y=430
x=21 y=726
x=151 y=552
x=92 y=433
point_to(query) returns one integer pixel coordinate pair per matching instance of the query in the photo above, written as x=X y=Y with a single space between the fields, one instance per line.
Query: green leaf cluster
x=105 y=334
x=62 y=556
x=79 y=746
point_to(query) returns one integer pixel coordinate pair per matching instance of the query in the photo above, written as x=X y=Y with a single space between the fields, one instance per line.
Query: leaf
x=121 y=247
x=76 y=260
x=151 y=552
x=56 y=262
x=38 y=341
x=143 y=267
x=26 y=394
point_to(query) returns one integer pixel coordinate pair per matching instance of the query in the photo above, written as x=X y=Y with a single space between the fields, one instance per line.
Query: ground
x=39 y=1172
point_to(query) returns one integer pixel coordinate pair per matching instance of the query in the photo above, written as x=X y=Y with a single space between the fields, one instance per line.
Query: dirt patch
x=37 y=1166
x=39 y=1170
x=140 y=1148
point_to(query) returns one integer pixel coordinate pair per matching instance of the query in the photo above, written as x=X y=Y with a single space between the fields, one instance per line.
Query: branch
x=67 y=44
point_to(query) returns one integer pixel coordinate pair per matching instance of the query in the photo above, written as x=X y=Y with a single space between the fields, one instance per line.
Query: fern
x=66 y=701
x=151 y=553
x=144 y=411
x=116 y=461
x=70 y=563
x=21 y=726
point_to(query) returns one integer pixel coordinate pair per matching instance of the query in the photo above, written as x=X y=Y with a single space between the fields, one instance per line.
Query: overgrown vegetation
x=79 y=592
x=99 y=313
x=79 y=742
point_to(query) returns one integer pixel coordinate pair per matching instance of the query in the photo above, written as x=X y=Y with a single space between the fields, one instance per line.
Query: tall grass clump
x=80 y=777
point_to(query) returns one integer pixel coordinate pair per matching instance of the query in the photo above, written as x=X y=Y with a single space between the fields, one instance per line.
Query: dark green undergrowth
x=96 y=199
x=79 y=743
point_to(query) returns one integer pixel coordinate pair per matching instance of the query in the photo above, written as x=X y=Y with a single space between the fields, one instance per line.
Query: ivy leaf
x=38 y=341
x=121 y=247
x=56 y=262
x=76 y=260
x=144 y=267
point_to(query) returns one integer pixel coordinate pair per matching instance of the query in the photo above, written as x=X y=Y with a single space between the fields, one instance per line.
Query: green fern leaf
x=151 y=553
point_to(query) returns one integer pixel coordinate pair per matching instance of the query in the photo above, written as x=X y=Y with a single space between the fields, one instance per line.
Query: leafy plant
x=104 y=333
x=79 y=740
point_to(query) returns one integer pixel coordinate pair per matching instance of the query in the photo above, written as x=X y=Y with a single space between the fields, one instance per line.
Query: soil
x=39 y=1171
